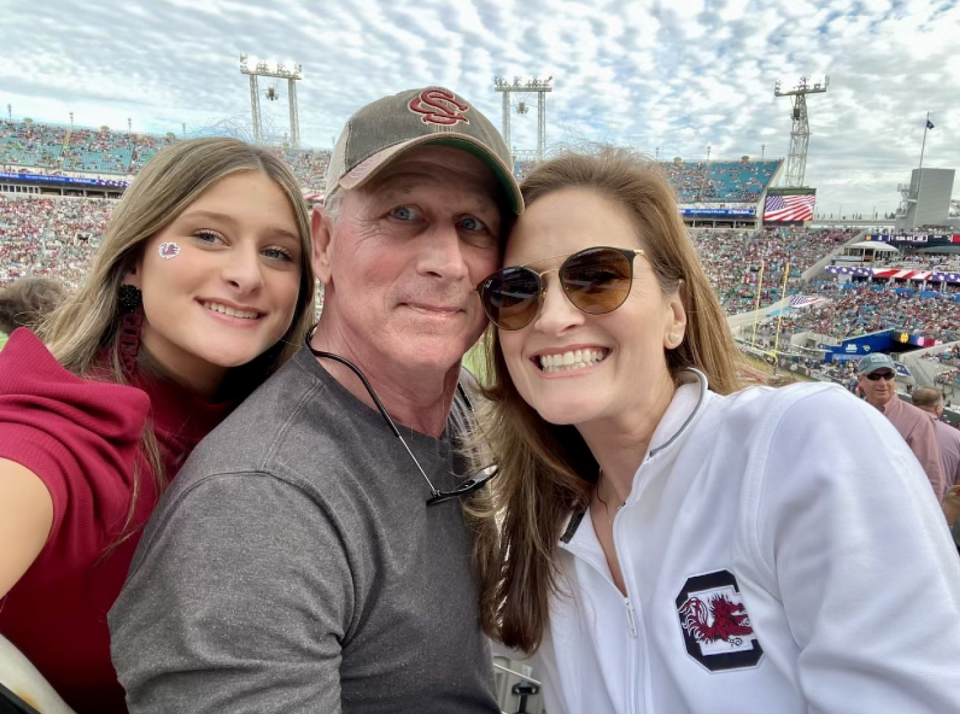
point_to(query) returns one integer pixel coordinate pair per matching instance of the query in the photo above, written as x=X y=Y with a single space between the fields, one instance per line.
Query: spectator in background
x=877 y=378
x=930 y=399
x=25 y=302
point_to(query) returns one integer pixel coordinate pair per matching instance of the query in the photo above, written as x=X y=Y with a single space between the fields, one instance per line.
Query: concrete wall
x=925 y=372
x=929 y=202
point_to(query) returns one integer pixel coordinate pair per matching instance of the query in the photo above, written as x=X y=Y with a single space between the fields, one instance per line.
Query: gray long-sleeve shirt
x=294 y=566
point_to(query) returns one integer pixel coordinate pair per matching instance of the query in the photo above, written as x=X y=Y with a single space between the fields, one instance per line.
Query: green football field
x=3 y=340
x=473 y=362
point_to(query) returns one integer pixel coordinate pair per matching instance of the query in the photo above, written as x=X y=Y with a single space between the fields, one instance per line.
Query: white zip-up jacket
x=782 y=553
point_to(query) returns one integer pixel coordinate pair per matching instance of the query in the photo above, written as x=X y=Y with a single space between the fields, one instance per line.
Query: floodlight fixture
x=256 y=67
x=533 y=84
x=800 y=131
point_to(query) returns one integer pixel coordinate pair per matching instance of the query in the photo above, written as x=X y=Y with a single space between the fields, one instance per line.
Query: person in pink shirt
x=930 y=400
x=877 y=378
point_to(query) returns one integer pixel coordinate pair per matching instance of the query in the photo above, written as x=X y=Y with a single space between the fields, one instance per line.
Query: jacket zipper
x=631 y=618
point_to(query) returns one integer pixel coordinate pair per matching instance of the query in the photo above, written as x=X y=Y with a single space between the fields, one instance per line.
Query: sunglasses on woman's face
x=875 y=376
x=595 y=280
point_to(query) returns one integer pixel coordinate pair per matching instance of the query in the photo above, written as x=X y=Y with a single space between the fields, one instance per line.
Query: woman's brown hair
x=546 y=471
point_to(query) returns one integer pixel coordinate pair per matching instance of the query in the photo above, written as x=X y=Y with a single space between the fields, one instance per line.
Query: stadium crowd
x=54 y=149
x=56 y=236
x=720 y=181
x=51 y=148
x=948 y=357
x=46 y=236
x=733 y=259
x=864 y=309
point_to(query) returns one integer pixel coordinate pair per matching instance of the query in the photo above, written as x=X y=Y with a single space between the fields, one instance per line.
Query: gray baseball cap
x=386 y=128
x=878 y=360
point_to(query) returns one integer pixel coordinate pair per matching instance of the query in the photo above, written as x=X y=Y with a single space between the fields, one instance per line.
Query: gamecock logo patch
x=438 y=106
x=715 y=624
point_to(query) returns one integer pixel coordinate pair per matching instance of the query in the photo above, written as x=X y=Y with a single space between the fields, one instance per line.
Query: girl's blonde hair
x=546 y=471
x=84 y=330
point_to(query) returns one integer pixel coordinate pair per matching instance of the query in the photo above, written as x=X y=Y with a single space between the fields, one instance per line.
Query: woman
x=667 y=542
x=200 y=290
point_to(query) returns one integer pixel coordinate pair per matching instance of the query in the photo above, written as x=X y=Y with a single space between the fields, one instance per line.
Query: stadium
x=806 y=296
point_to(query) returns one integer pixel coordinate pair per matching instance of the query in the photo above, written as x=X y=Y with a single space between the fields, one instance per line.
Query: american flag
x=790 y=208
x=804 y=300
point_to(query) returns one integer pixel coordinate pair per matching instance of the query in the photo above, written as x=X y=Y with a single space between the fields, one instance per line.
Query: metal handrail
x=517 y=674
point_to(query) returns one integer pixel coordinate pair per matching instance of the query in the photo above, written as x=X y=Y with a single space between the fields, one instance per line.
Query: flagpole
x=756 y=311
x=783 y=296
x=923 y=146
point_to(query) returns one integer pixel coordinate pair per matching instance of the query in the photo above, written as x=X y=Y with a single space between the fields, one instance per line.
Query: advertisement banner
x=63 y=180
x=718 y=212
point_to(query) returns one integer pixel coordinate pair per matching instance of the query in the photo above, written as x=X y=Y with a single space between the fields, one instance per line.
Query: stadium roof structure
x=874 y=245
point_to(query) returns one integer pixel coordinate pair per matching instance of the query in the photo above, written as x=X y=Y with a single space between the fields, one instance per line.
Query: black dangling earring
x=129 y=298
x=130 y=304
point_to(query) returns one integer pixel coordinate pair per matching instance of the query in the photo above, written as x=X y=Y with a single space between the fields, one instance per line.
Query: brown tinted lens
x=511 y=297
x=597 y=280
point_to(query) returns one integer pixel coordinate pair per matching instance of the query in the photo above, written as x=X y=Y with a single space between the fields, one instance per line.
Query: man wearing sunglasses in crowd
x=877 y=377
x=312 y=555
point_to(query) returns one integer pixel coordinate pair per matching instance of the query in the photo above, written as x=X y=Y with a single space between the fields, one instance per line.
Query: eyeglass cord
x=376 y=400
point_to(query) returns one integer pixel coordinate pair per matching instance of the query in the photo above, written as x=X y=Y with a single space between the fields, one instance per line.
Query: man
x=295 y=564
x=876 y=376
x=930 y=400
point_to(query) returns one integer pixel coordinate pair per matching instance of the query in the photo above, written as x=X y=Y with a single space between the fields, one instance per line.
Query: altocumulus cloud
x=674 y=77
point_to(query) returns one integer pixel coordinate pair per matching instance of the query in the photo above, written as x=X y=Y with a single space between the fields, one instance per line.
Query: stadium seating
x=57 y=237
x=309 y=165
x=30 y=145
x=720 y=181
x=53 y=149
x=702 y=182
x=732 y=260
x=45 y=236
x=865 y=309
x=522 y=168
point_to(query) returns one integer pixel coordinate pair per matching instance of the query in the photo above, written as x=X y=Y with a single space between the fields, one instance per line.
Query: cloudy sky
x=677 y=76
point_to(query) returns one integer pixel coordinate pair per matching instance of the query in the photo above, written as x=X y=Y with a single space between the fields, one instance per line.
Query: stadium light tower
x=800 y=132
x=289 y=71
x=541 y=87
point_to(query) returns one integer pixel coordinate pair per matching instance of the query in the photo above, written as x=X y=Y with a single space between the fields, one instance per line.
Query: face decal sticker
x=169 y=250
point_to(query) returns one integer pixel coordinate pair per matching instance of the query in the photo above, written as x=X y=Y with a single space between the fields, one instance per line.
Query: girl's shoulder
x=81 y=437
x=28 y=369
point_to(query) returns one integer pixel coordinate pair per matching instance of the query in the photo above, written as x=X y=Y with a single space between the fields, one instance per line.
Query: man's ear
x=322 y=239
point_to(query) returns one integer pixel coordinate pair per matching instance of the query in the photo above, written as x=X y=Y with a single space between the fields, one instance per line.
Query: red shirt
x=82 y=438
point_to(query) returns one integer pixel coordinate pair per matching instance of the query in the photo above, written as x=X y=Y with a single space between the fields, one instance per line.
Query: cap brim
x=368 y=168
